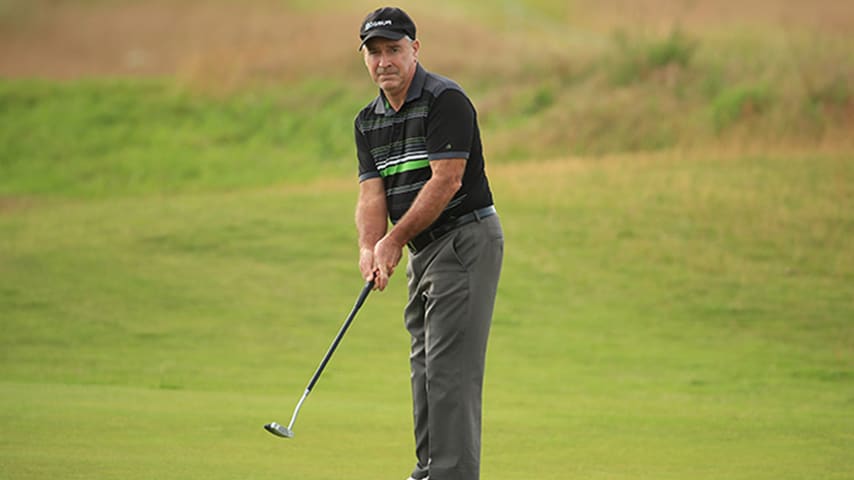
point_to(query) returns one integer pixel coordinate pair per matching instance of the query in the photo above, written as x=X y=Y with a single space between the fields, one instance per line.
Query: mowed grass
x=659 y=317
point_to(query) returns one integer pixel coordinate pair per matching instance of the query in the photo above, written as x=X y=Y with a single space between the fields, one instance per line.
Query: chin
x=388 y=85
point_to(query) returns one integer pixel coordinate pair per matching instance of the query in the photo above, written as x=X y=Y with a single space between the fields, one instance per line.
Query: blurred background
x=576 y=77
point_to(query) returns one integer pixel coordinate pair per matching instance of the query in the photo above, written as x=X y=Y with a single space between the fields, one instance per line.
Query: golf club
x=288 y=432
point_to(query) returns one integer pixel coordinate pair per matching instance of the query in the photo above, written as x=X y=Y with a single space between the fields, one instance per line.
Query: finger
x=375 y=276
x=367 y=271
x=382 y=279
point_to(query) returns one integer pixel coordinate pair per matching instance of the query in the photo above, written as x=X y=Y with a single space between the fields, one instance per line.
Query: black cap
x=387 y=22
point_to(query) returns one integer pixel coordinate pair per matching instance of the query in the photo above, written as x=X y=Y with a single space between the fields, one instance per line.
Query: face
x=391 y=63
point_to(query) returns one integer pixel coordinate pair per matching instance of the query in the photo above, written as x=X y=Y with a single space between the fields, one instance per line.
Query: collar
x=382 y=106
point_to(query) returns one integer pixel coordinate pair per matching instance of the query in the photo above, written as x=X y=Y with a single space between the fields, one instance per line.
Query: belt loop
x=477 y=215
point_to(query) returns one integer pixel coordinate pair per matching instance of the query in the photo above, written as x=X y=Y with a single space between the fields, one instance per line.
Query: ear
x=416 y=46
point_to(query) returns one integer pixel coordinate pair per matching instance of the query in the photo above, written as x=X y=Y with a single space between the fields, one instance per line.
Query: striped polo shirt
x=436 y=122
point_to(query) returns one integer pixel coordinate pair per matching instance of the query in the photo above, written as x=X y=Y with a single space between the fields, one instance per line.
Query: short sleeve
x=367 y=167
x=450 y=126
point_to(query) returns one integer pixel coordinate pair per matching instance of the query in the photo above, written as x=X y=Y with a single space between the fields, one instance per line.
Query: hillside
x=550 y=79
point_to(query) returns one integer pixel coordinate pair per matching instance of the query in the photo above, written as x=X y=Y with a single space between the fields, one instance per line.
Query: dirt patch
x=10 y=204
x=156 y=38
x=230 y=41
x=824 y=15
x=226 y=41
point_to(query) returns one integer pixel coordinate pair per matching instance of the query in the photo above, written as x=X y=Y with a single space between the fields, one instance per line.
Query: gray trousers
x=452 y=286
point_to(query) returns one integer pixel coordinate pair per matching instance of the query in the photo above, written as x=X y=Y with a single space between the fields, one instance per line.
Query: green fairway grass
x=659 y=317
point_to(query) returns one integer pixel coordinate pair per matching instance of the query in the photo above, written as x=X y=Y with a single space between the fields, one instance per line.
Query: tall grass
x=548 y=79
x=120 y=137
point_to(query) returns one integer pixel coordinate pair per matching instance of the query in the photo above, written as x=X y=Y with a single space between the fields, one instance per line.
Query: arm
x=371 y=223
x=446 y=180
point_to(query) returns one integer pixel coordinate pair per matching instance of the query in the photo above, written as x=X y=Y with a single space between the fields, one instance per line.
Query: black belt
x=426 y=237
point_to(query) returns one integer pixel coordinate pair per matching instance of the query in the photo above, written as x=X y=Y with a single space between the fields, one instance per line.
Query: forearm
x=371 y=224
x=371 y=216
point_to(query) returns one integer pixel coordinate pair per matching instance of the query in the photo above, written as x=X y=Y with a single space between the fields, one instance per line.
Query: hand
x=386 y=256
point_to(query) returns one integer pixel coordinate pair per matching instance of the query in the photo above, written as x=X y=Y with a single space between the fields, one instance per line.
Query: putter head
x=279 y=430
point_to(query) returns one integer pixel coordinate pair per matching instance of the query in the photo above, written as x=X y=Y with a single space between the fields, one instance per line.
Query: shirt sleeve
x=450 y=126
x=367 y=167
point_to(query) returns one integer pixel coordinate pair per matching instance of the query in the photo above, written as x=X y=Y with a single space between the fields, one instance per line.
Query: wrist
x=396 y=238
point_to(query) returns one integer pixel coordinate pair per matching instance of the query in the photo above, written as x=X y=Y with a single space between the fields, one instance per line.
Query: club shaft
x=359 y=301
x=296 y=411
x=288 y=432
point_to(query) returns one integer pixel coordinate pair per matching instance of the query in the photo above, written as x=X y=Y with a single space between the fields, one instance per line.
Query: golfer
x=421 y=167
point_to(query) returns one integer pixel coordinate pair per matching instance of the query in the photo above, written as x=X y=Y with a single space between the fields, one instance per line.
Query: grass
x=658 y=318
x=120 y=137
x=738 y=102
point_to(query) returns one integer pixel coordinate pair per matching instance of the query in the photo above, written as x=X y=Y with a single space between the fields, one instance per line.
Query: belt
x=426 y=237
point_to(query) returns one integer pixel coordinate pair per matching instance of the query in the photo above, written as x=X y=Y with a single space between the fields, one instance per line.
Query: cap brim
x=379 y=32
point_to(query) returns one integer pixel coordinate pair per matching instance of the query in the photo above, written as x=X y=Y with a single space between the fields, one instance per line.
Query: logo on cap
x=377 y=23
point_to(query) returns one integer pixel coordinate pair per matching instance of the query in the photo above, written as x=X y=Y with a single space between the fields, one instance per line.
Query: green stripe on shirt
x=405 y=167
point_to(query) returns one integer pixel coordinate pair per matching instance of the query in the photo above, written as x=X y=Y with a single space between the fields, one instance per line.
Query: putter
x=288 y=432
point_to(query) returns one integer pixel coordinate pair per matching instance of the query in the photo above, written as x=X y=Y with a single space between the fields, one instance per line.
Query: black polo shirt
x=436 y=122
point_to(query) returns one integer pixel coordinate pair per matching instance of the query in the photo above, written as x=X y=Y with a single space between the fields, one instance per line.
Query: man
x=421 y=166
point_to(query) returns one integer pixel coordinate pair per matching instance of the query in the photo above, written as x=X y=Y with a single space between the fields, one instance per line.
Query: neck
x=398 y=98
x=397 y=101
